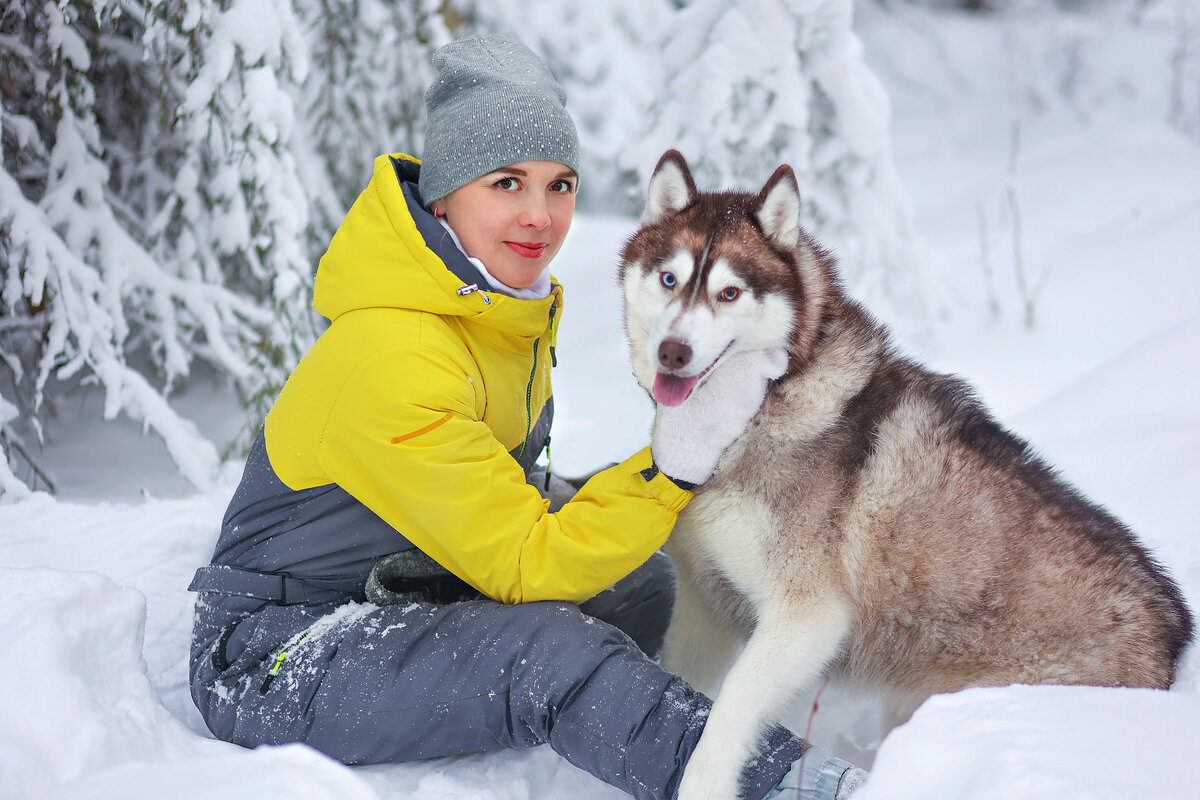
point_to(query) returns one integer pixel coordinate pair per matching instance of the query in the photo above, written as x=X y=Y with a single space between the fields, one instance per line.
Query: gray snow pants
x=371 y=684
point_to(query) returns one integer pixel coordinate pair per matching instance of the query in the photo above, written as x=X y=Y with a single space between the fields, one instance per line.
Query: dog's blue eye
x=729 y=294
x=667 y=279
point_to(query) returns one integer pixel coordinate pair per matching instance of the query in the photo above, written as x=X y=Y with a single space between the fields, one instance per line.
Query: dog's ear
x=671 y=188
x=779 y=208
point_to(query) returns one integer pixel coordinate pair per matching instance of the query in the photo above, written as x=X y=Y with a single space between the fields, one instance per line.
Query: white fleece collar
x=537 y=290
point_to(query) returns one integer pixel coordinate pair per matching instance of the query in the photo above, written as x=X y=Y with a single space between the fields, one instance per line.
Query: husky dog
x=873 y=523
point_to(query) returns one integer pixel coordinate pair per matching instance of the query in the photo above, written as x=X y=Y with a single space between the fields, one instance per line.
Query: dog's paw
x=704 y=780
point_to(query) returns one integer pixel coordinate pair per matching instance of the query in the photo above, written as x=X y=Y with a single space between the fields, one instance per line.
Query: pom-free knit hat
x=493 y=103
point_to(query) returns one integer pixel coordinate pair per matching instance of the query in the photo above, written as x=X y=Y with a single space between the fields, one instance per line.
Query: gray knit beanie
x=493 y=103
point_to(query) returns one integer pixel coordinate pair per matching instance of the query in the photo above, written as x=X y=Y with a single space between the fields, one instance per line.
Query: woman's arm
x=413 y=450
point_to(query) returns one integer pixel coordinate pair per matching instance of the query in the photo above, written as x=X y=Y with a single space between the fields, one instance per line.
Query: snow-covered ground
x=95 y=619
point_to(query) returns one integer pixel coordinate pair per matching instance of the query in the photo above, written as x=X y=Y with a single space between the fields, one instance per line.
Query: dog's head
x=711 y=274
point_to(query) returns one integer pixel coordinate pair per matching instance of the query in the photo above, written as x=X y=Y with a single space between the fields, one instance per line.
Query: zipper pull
x=463 y=291
x=553 y=341
x=547 y=487
x=266 y=684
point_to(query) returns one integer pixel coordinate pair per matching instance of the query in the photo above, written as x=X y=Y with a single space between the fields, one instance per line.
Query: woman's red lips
x=528 y=249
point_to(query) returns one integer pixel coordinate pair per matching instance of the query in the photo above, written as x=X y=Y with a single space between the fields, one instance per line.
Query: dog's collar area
x=649 y=472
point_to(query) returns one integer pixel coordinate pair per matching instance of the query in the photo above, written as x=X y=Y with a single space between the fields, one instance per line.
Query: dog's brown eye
x=729 y=294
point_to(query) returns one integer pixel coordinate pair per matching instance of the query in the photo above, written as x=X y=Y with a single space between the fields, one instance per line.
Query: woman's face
x=514 y=220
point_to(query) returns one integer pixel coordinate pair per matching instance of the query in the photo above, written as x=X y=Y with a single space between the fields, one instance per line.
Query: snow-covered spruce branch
x=82 y=332
x=167 y=191
x=11 y=487
x=756 y=83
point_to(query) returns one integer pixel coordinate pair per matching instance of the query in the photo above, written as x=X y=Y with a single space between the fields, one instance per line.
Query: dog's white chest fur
x=730 y=532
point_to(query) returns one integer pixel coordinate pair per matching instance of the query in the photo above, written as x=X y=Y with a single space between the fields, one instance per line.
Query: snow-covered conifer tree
x=237 y=212
x=754 y=83
x=82 y=296
x=171 y=173
x=370 y=64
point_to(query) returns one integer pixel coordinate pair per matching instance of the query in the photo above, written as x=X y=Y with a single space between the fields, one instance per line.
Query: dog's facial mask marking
x=697 y=277
x=671 y=347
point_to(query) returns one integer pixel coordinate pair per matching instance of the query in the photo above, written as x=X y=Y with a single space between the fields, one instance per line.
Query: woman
x=405 y=440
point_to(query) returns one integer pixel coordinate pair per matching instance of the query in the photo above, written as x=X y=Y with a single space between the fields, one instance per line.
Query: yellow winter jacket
x=419 y=398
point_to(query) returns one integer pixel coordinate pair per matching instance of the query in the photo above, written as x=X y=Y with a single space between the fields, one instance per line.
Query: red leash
x=808 y=729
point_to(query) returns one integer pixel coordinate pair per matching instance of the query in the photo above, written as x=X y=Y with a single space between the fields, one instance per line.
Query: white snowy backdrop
x=1028 y=216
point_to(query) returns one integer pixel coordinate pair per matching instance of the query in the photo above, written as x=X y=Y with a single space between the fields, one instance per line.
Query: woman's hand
x=688 y=439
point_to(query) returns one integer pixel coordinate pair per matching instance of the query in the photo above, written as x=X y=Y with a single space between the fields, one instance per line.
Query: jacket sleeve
x=416 y=453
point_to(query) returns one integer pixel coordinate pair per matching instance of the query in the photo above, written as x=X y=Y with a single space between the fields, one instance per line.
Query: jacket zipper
x=529 y=387
x=529 y=398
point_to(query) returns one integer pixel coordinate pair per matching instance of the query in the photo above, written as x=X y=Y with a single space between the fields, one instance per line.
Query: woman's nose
x=535 y=214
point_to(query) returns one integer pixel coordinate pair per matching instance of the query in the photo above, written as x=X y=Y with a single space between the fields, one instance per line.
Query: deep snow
x=95 y=618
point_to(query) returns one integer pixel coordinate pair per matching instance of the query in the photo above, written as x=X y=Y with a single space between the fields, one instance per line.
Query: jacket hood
x=390 y=252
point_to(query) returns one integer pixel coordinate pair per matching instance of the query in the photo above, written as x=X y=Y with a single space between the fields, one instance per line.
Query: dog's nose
x=674 y=354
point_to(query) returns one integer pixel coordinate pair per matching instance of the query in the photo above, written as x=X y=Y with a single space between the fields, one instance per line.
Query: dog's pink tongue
x=671 y=390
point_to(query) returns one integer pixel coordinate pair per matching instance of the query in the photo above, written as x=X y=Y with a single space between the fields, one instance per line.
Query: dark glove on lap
x=410 y=576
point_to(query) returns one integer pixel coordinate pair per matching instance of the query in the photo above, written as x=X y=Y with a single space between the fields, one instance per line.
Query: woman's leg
x=394 y=683
x=639 y=604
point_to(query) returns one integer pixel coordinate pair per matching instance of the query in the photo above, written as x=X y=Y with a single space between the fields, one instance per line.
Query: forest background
x=173 y=169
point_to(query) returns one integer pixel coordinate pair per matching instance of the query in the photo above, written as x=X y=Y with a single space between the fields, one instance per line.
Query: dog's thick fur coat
x=873 y=522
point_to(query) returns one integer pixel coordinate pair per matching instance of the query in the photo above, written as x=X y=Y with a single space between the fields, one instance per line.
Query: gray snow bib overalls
x=285 y=650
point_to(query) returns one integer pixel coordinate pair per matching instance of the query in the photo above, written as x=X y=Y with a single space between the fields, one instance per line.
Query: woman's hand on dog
x=688 y=439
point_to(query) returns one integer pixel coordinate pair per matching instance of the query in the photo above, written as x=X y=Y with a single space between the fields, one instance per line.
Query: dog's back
x=966 y=560
x=971 y=562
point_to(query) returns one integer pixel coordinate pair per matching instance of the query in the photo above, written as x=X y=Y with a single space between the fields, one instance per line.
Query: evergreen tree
x=171 y=174
x=82 y=295
x=237 y=212
x=754 y=83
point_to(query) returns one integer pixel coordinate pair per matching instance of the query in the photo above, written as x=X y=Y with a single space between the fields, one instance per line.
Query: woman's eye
x=507 y=184
x=565 y=187
x=729 y=294
x=667 y=279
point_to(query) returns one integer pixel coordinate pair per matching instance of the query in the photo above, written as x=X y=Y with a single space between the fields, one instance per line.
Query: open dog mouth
x=672 y=390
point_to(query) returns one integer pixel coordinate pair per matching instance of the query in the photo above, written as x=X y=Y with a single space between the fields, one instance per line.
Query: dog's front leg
x=701 y=641
x=787 y=652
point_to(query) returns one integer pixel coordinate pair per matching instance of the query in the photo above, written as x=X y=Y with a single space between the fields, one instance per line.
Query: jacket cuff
x=649 y=472
x=671 y=493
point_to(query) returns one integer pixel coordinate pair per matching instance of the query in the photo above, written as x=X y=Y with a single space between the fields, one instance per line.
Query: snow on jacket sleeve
x=418 y=455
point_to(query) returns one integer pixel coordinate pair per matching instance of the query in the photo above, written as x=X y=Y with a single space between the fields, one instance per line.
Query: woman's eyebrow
x=567 y=173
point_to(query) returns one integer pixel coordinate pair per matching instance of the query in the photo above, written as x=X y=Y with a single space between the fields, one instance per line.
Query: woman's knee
x=640 y=604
